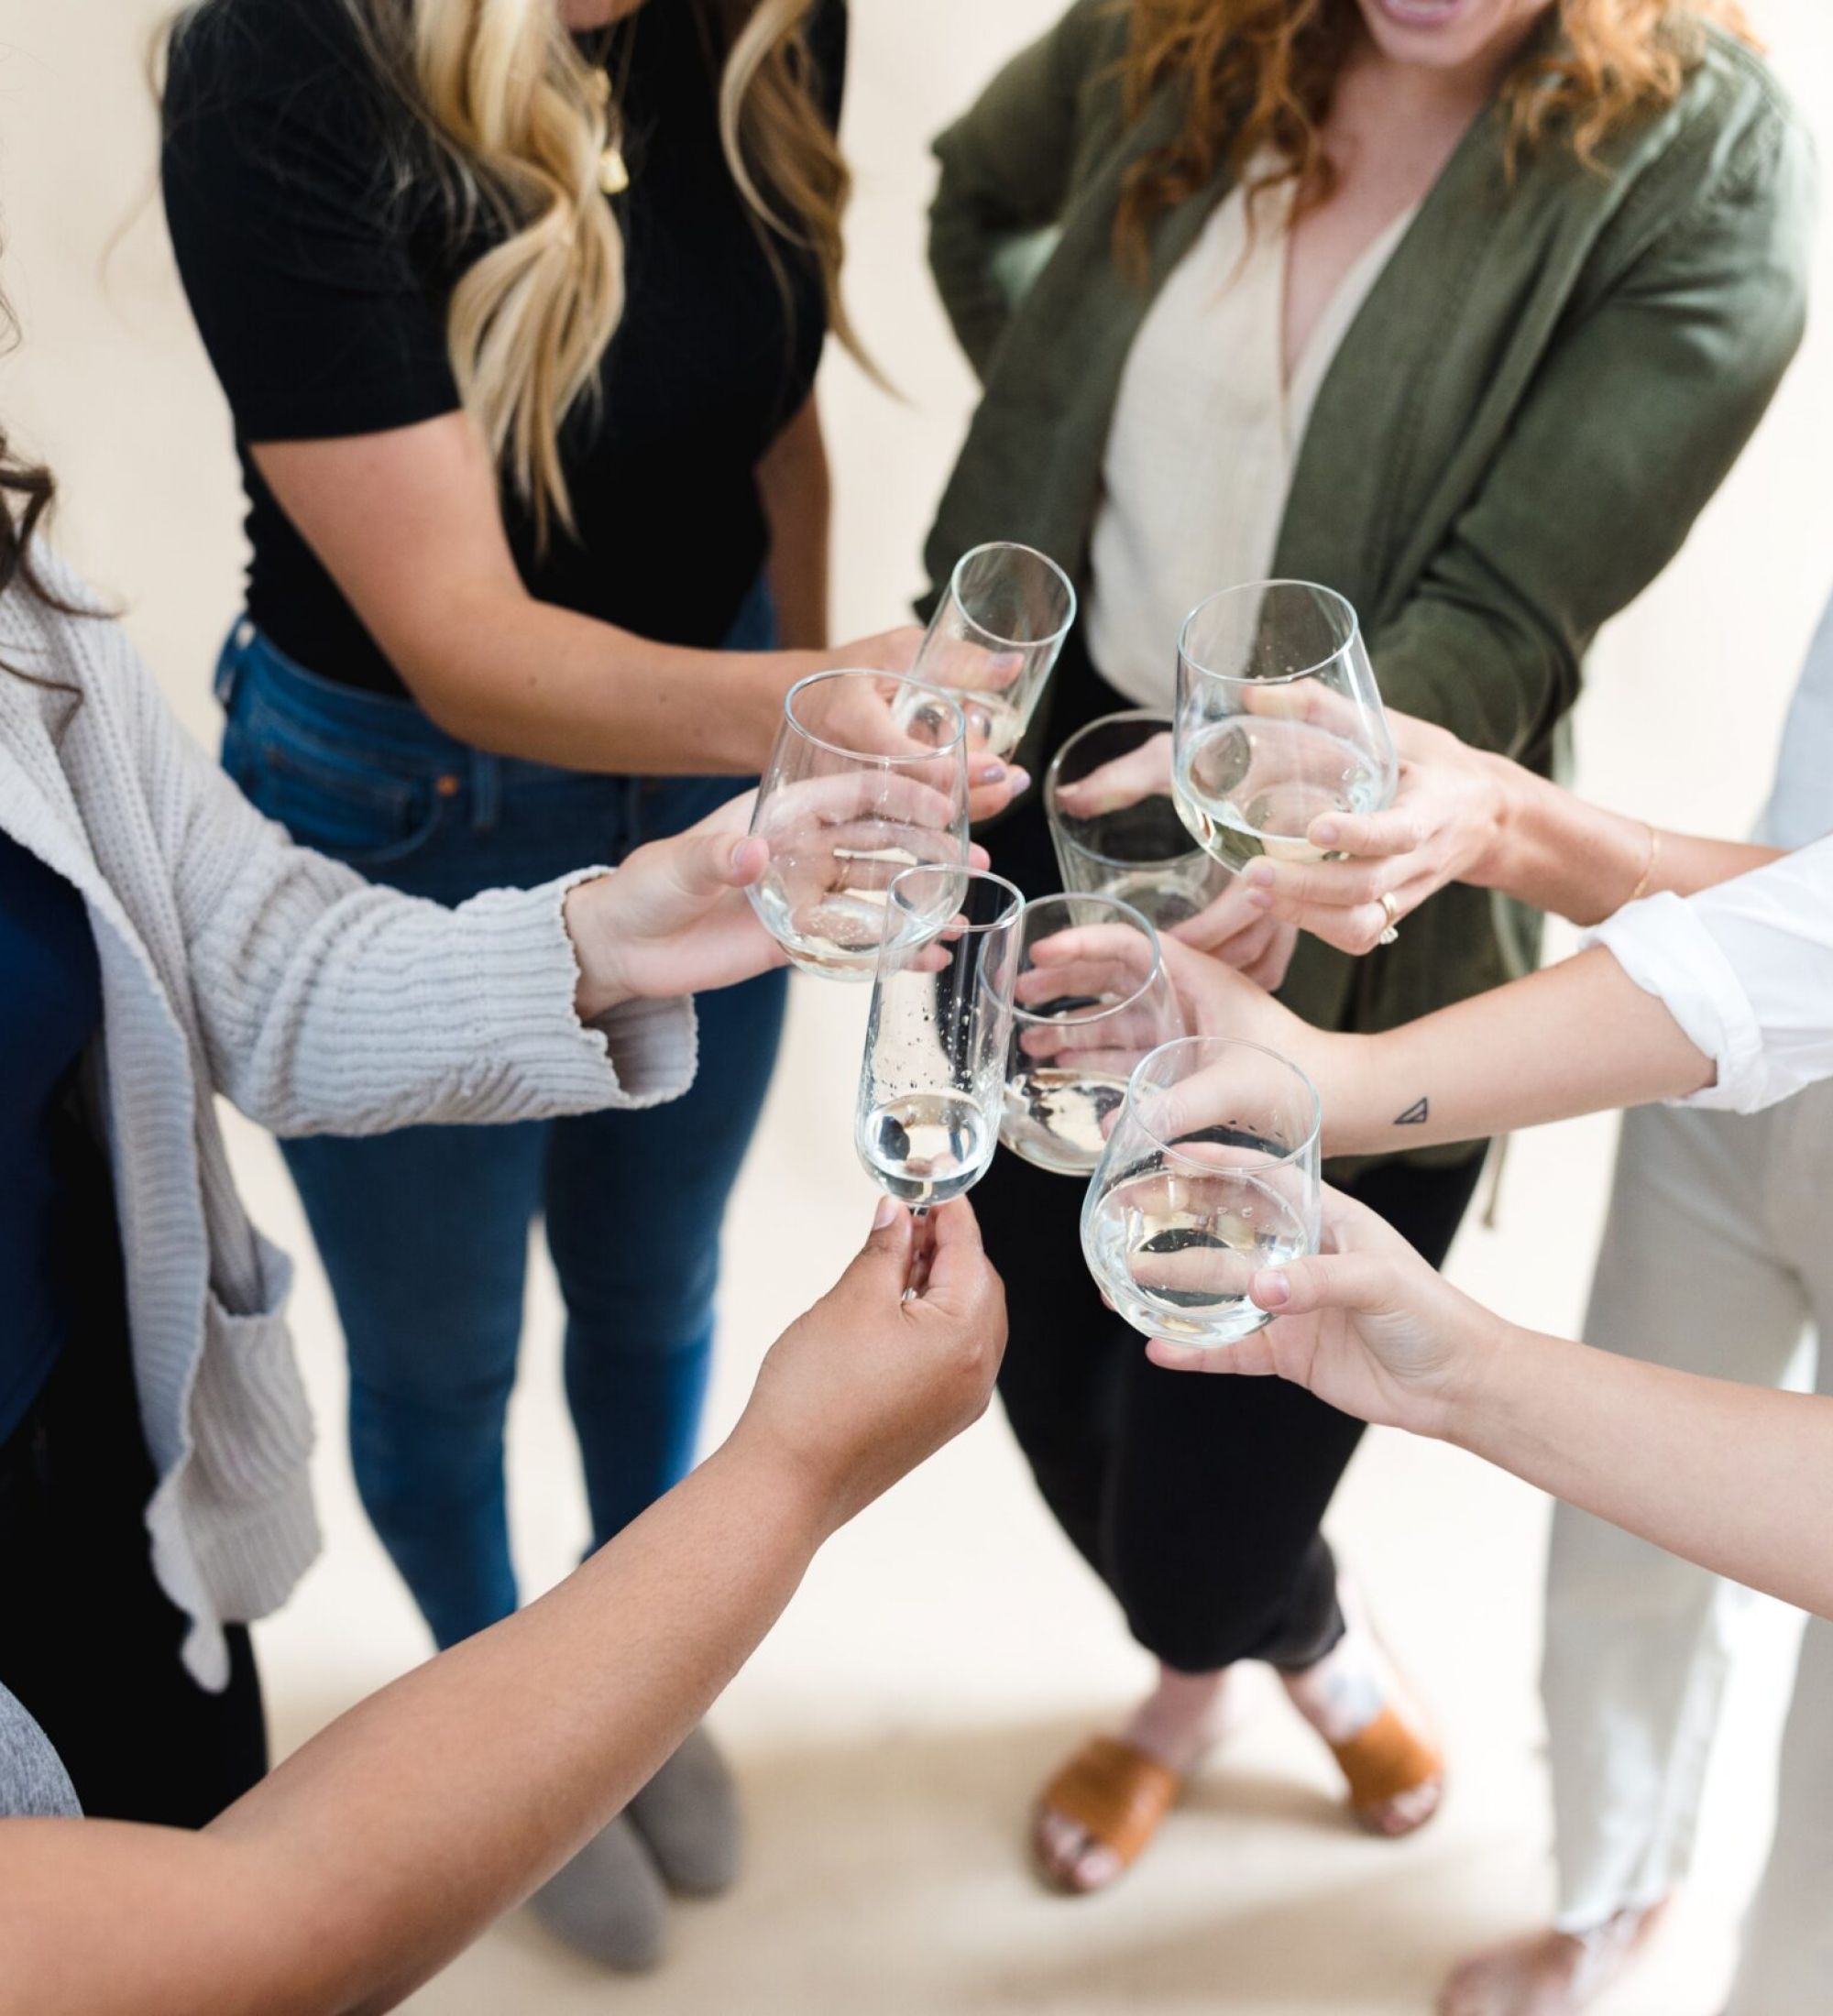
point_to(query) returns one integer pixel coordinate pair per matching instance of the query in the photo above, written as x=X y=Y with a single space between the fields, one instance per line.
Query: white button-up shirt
x=1746 y=968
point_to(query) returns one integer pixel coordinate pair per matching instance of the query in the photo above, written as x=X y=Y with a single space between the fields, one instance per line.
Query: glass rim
x=1281 y=1160
x=1014 y=908
x=1082 y=1018
x=1141 y=862
x=874 y=756
x=1055 y=637
x=1185 y=656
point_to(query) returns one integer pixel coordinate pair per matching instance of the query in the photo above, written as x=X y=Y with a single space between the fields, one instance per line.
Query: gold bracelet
x=1648 y=873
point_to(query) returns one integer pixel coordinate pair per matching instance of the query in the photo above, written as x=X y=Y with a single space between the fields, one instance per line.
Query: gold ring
x=1392 y=910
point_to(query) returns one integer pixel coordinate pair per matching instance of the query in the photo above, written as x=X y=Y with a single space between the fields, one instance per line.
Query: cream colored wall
x=891 y=1732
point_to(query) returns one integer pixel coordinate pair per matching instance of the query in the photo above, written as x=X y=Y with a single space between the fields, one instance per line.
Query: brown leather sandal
x=1387 y=1759
x=1117 y=1795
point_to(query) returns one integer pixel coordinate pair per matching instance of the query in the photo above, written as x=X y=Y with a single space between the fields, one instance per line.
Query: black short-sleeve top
x=319 y=272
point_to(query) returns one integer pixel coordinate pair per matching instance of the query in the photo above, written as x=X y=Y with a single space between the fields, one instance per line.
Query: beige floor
x=947 y=1648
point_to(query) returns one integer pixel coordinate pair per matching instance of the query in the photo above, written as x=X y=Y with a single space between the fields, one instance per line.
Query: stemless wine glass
x=1210 y=1173
x=869 y=777
x=1107 y=795
x=1087 y=1007
x=928 y=1119
x=1278 y=721
x=994 y=637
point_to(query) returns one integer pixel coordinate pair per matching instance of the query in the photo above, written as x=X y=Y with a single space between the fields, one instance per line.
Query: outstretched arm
x=1736 y=1478
x=370 y=1857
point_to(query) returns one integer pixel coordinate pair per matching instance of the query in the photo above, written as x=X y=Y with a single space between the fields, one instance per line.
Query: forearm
x=374 y=1854
x=521 y=677
x=798 y=492
x=1560 y=853
x=1580 y=1038
x=1738 y=1479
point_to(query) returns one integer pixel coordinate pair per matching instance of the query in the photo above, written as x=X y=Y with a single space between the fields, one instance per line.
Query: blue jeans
x=424 y=1232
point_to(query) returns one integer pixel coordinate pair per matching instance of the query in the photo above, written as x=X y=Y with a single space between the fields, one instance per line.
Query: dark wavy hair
x=28 y=491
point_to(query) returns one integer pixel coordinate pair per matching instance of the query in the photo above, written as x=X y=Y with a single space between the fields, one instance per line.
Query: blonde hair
x=1258 y=76
x=519 y=121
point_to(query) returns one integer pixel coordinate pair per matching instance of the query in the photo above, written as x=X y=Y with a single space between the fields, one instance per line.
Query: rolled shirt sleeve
x=1746 y=970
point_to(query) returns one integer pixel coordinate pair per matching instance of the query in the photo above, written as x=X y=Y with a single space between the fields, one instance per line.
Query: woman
x=535 y=487
x=1465 y=310
x=162 y=942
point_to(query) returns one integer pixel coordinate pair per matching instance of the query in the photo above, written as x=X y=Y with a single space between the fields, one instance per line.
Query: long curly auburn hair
x=1259 y=75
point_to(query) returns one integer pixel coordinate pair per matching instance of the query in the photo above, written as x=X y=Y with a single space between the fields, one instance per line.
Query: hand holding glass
x=1092 y=997
x=1107 y=795
x=1278 y=722
x=934 y=1070
x=994 y=638
x=1210 y=1174
x=869 y=777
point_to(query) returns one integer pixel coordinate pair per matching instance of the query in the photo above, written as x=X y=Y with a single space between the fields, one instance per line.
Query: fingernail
x=1260 y=899
x=737 y=855
x=1259 y=875
x=1325 y=832
x=1021 y=779
x=887 y=1211
x=1272 y=1287
x=1171 y=1356
x=994 y=773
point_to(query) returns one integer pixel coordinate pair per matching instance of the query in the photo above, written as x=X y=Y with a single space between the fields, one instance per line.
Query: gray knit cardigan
x=234 y=962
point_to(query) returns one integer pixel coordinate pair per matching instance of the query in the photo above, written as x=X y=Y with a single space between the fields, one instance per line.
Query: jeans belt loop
x=230 y=661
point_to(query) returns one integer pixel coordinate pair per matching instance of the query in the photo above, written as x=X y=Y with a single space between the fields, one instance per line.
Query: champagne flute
x=1107 y=795
x=1093 y=998
x=927 y=1118
x=869 y=776
x=1278 y=721
x=1210 y=1174
x=994 y=638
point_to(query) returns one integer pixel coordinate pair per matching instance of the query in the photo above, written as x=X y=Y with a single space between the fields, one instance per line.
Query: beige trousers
x=1717 y=1254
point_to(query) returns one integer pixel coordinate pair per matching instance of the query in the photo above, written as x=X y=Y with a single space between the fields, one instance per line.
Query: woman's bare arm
x=797 y=500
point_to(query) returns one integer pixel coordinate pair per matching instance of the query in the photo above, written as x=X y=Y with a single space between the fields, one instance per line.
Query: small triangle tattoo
x=1414 y=1114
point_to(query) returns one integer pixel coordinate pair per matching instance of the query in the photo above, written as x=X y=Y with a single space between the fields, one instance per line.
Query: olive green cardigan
x=1546 y=384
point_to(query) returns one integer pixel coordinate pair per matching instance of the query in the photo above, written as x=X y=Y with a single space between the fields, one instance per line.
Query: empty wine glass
x=1210 y=1173
x=994 y=637
x=1091 y=999
x=1278 y=721
x=869 y=777
x=928 y=1119
x=1107 y=795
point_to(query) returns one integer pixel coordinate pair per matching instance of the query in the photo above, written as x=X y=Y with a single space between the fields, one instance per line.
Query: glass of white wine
x=1107 y=795
x=994 y=638
x=869 y=777
x=1210 y=1173
x=1278 y=721
x=928 y=1119
x=1093 y=998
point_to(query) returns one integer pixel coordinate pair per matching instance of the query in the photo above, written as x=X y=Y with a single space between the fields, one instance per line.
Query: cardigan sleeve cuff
x=1664 y=945
x=640 y=1053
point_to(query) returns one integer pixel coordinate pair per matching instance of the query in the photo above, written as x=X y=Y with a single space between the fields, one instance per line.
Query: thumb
x=704 y=865
x=882 y=1265
x=1362 y=1282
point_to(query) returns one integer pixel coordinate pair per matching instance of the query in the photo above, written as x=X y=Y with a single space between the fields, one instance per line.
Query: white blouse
x=1205 y=436
x=1746 y=968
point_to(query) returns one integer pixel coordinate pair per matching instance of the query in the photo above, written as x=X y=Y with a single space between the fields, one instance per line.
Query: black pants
x=1197 y=1500
x=88 y=1641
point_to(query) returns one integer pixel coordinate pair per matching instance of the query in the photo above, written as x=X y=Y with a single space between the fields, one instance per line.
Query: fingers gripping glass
x=1210 y=1174
x=994 y=638
x=868 y=777
x=1107 y=795
x=1091 y=999
x=934 y=1069
x=1278 y=721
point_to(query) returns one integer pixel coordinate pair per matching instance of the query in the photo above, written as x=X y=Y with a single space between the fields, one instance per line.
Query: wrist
x=792 y=1481
x=1348 y=1070
x=602 y=984
x=1475 y=1397
x=1509 y=835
